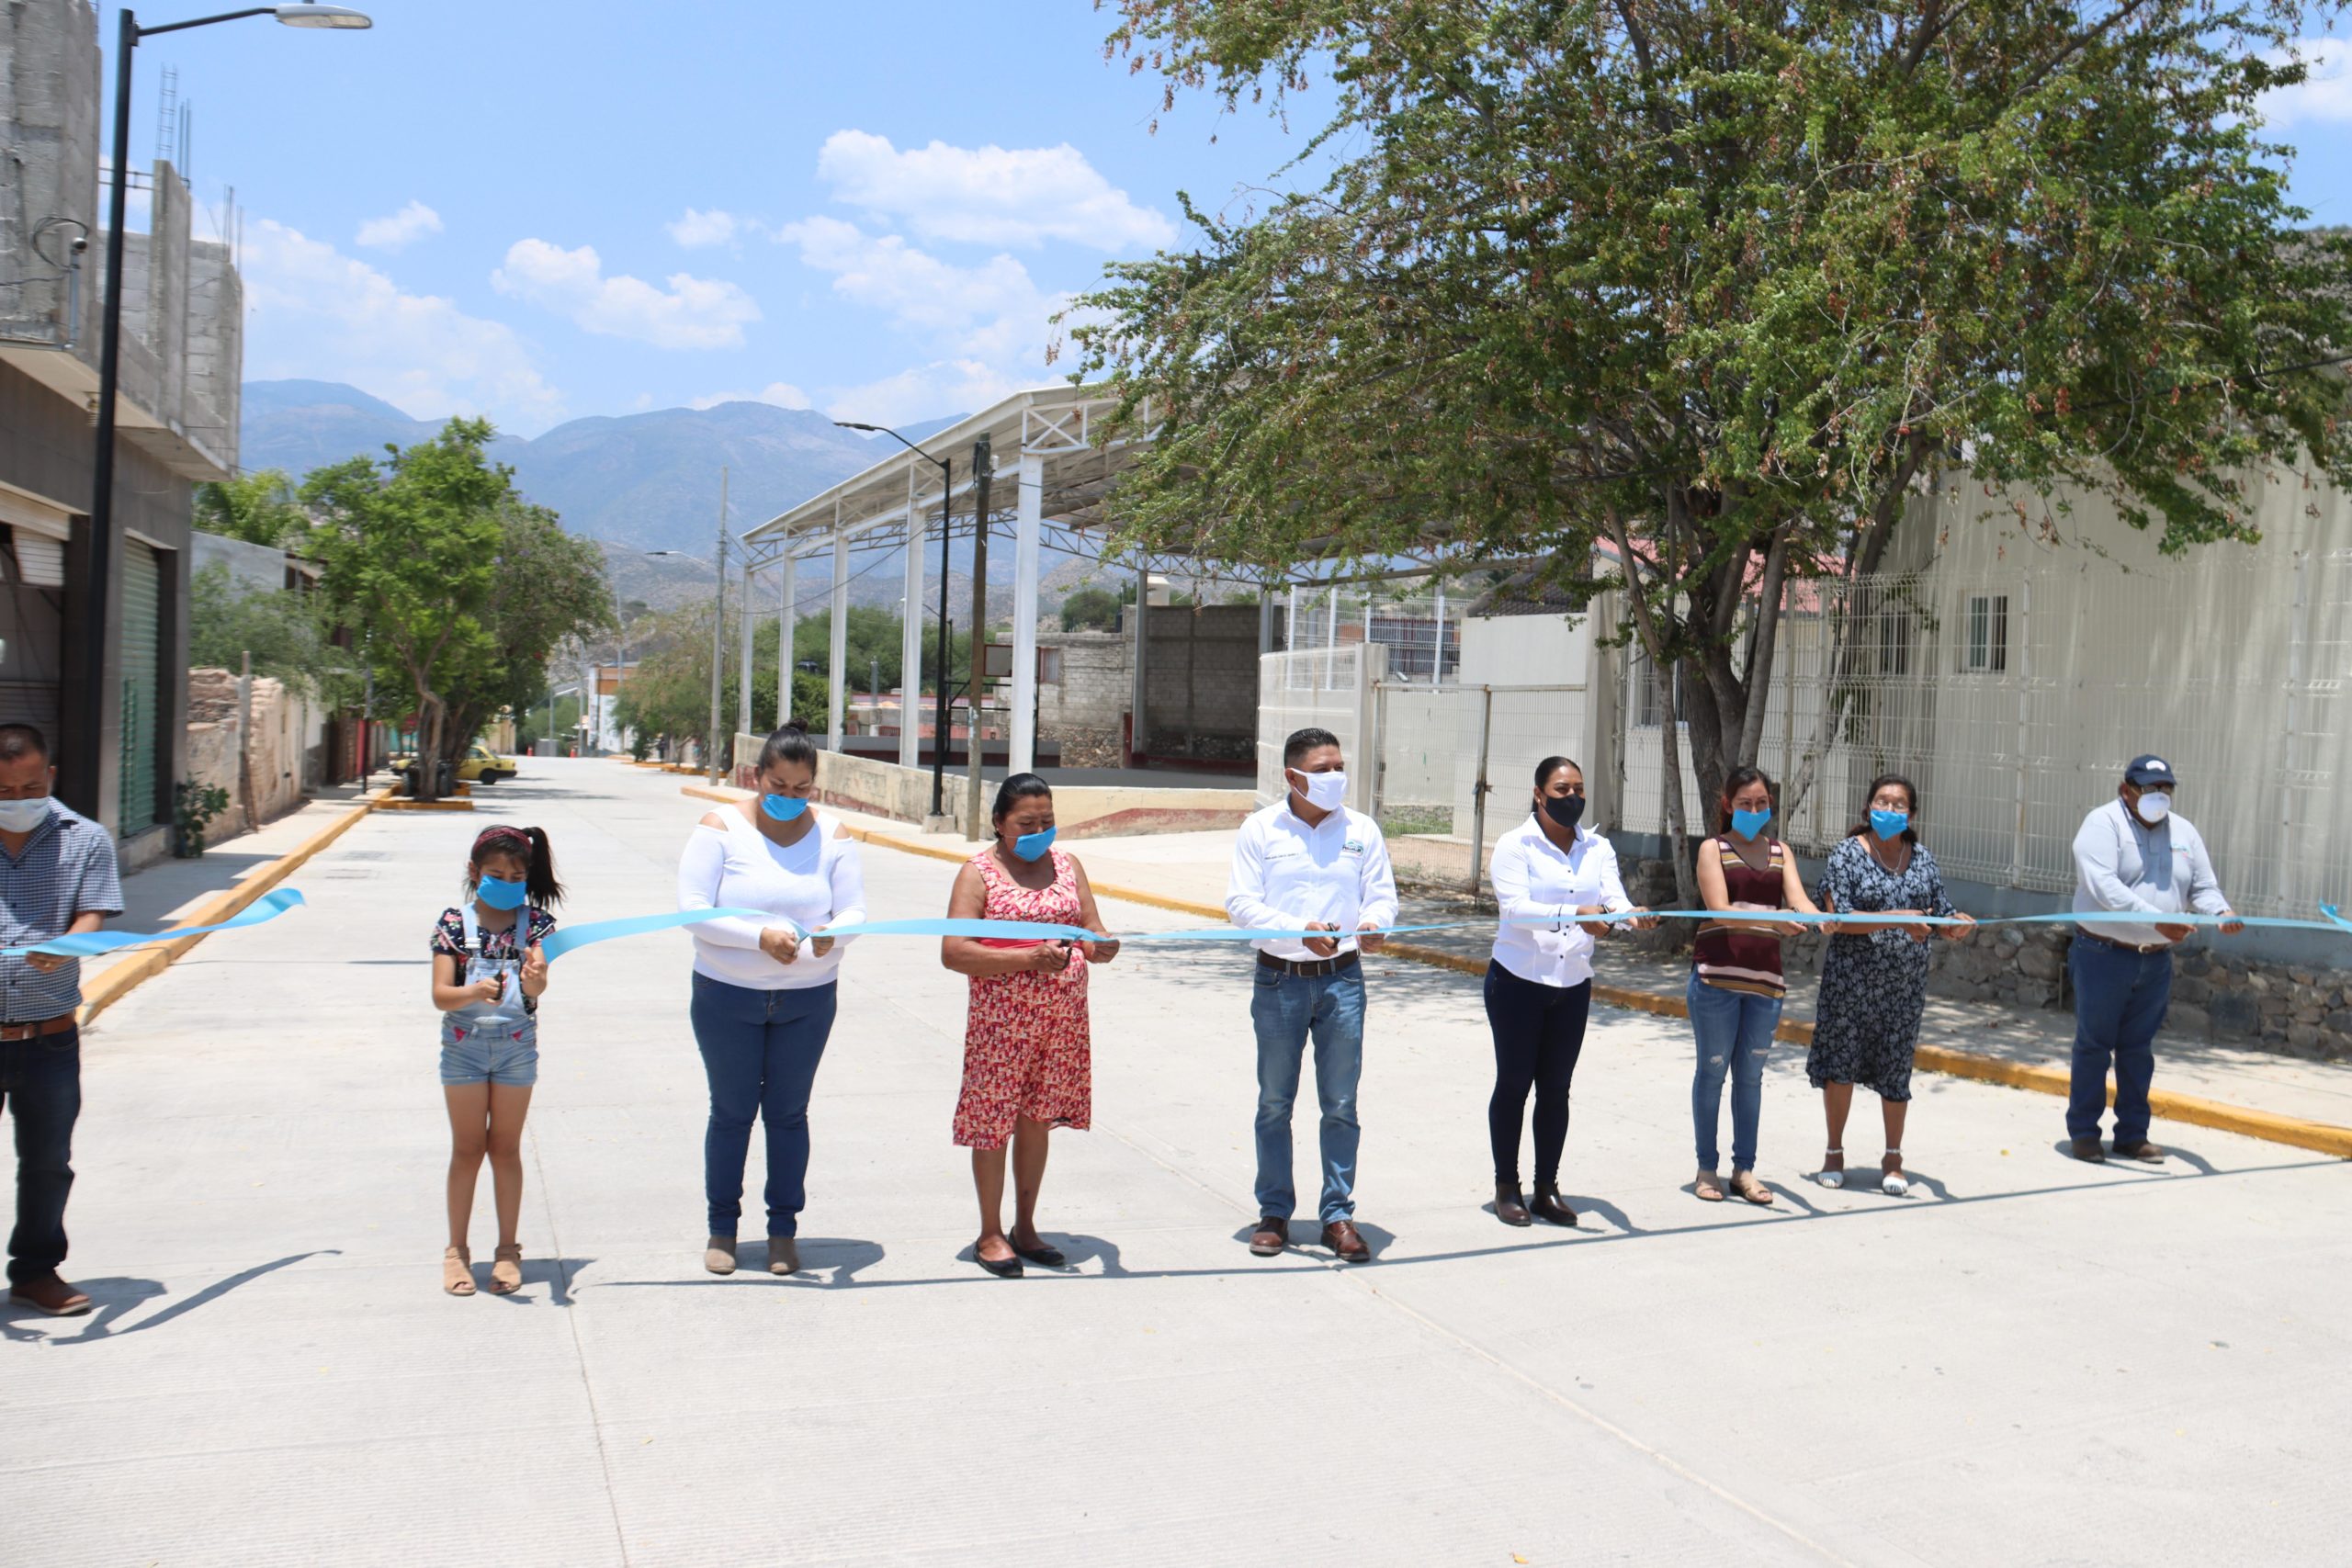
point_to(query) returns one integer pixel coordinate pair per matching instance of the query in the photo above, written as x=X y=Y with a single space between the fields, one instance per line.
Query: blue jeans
x=1733 y=1030
x=40 y=1083
x=760 y=1050
x=1286 y=1010
x=2119 y=1000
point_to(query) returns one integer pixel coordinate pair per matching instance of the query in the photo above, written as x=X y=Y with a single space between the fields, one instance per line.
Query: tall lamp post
x=717 y=623
x=88 y=754
x=946 y=509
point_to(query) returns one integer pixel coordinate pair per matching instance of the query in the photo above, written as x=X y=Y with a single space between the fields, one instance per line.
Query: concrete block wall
x=284 y=734
x=1201 y=667
x=49 y=103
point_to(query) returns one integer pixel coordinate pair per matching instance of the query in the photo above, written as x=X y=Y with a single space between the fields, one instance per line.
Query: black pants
x=40 y=1085
x=1539 y=1031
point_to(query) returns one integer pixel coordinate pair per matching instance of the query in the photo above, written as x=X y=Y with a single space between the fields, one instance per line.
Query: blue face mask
x=1033 y=846
x=500 y=895
x=1748 y=824
x=782 y=808
x=1889 y=824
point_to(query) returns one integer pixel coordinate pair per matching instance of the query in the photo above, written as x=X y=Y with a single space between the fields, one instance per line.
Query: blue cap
x=2148 y=772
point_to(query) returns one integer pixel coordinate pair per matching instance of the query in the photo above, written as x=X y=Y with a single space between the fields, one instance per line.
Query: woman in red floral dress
x=1026 y=1067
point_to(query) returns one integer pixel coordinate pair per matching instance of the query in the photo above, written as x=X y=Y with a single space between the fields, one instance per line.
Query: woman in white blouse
x=1539 y=981
x=763 y=989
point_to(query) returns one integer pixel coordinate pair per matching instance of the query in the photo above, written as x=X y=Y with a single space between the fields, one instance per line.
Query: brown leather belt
x=2130 y=947
x=1309 y=968
x=58 y=1025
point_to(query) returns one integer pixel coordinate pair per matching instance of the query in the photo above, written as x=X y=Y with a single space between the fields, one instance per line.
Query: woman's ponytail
x=539 y=881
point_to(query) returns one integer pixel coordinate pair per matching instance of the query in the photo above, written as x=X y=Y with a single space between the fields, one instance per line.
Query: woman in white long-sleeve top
x=763 y=991
x=1539 y=980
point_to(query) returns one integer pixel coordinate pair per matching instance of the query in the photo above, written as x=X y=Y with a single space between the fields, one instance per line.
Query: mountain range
x=639 y=483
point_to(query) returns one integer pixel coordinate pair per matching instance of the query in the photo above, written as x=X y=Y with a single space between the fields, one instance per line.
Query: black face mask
x=1565 y=809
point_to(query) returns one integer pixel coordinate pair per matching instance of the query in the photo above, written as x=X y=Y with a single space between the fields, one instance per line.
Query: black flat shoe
x=1041 y=1256
x=1003 y=1269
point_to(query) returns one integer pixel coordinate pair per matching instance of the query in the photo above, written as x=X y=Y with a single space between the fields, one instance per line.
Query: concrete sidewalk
x=169 y=892
x=2031 y=1362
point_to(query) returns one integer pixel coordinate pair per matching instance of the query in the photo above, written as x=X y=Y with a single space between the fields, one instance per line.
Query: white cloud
x=992 y=310
x=685 y=312
x=316 y=312
x=926 y=391
x=2325 y=95
x=698 y=228
x=410 y=223
x=782 y=394
x=988 y=195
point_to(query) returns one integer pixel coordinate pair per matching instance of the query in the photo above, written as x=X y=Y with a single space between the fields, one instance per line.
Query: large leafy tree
x=259 y=508
x=1704 y=290
x=455 y=583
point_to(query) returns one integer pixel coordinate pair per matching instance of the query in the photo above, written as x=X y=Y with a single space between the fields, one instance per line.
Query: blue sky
x=541 y=212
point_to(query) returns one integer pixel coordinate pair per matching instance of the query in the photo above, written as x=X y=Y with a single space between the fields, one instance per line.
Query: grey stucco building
x=176 y=419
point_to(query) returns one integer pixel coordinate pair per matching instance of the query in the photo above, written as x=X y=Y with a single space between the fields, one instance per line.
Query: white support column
x=1437 y=662
x=1028 y=535
x=911 y=636
x=785 y=621
x=837 y=659
x=745 y=636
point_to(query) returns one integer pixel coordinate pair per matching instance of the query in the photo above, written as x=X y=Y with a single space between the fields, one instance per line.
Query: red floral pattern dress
x=1026 y=1048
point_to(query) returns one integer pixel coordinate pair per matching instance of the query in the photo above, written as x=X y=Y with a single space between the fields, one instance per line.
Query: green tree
x=1091 y=610
x=281 y=630
x=1718 y=283
x=259 y=508
x=457 y=583
x=549 y=589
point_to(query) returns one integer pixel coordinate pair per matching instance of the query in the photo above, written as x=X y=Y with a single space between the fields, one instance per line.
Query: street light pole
x=946 y=511
x=86 y=755
x=719 y=641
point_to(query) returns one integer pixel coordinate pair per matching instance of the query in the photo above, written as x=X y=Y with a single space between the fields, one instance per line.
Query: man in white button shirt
x=2132 y=854
x=1310 y=864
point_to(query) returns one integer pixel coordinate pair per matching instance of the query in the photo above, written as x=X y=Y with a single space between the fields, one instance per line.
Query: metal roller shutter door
x=141 y=687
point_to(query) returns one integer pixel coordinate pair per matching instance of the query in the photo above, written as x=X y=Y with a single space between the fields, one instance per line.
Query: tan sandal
x=506 y=1269
x=1709 y=1187
x=457 y=1271
x=1744 y=1182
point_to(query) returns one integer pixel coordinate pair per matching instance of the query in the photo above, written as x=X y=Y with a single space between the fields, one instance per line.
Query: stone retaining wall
x=2298 y=1011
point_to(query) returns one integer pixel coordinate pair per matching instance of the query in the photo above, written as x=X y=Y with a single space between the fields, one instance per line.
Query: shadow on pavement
x=1304 y=1256
x=116 y=1297
x=555 y=1273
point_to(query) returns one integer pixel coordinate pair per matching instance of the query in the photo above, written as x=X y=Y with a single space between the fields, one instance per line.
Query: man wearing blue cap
x=2134 y=853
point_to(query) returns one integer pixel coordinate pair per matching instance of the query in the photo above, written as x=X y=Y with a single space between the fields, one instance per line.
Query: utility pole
x=712 y=764
x=983 y=465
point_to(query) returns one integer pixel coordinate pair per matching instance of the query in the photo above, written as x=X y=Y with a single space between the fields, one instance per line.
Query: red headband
x=502 y=840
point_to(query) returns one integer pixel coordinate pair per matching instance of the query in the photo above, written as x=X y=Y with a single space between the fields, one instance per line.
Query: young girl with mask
x=1736 y=982
x=488 y=976
x=1539 y=980
x=765 y=990
x=1026 y=1063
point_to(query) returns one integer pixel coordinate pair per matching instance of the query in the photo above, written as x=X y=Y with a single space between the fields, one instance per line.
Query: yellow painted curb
x=120 y=980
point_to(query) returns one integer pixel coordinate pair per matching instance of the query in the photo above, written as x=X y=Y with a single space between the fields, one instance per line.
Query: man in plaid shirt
x=57 y=877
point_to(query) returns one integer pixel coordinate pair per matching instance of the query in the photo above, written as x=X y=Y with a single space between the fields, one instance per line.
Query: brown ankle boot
x=1550 y=1207
x=1509 y=1207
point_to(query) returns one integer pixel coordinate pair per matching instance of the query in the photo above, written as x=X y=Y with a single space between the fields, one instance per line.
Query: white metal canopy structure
x=1051 y=474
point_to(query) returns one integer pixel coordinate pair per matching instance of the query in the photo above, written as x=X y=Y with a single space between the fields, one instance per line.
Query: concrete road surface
x=2034 y=1362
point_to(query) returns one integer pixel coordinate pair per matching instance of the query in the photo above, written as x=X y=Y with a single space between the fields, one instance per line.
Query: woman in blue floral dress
x=1874 y=977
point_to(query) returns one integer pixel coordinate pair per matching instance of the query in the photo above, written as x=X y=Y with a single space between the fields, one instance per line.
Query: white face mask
x=1325 y=792
x=2154 y=808
x=23 y=816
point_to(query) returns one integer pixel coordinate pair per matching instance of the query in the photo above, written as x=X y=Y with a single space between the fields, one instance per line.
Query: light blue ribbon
x=567 y=938
x=89 y=944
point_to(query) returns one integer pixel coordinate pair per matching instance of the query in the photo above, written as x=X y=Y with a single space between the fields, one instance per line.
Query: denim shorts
x=496 y=1052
